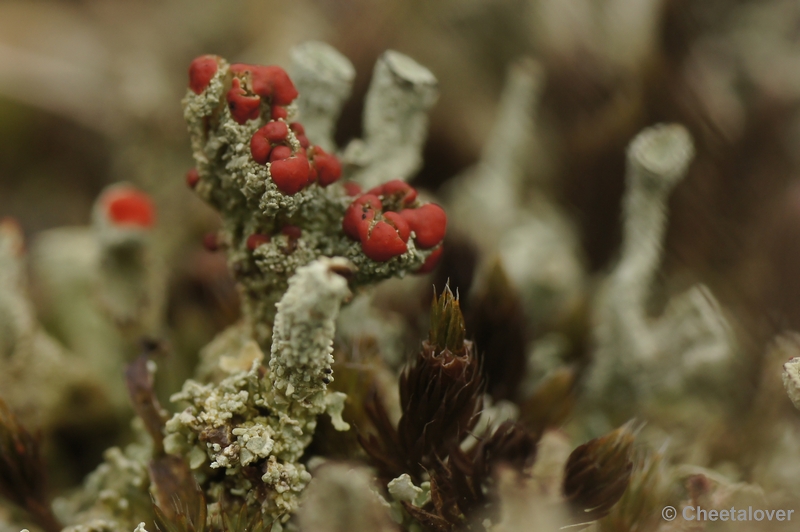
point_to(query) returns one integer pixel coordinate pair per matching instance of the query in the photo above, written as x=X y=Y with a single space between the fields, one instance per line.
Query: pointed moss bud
x=447 y=330
x=441 y=395
x=597 y=474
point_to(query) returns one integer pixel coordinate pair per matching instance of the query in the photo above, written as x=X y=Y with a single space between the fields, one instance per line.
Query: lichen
x=253 y=200
x=264 y=418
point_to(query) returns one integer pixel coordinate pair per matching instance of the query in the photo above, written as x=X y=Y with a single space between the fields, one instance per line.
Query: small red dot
x=211 y=242
x=255 y=240
x=192 y=178
x=292 y=231
x=130 y=207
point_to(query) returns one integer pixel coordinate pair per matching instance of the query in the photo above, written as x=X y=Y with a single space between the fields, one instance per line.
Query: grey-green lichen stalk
x=689 y=346
x=263 y=419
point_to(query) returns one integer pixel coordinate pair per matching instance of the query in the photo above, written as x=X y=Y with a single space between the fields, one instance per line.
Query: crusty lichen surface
x=263 y=419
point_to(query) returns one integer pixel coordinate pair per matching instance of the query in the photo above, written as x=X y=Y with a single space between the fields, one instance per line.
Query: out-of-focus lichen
x=31 y=356
x=129 y=291
x=324 y=78
x=101 y=288
x=791 y=380
x=342 y=498
x=528 y=231
x=395 y=121
x=116 y=493
x=691 y=342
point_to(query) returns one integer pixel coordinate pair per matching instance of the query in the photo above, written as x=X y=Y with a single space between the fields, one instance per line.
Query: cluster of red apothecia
x=290 y=171
x=382 y=220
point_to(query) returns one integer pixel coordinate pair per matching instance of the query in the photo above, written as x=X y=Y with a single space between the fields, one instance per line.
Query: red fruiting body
x=240 y=69
x=290 y=175
x=399 y=223
x=243 y=107
x=292 y=231
x=262 y=140
x=400 y=190
x=279 y=112
x=192 y=178
x=352 y=188
x=129 y=207
x=275 y=82
x=428 y=222
x=298 y=128
x=260 y=147
x=280 y=153
x=211 y=242
x=275 y=131
x=312 y=174
x=328 y=167
x=381 y=242
x=255 y=240
x=269 y=82
x=362 y=209
x=303 y=140
x=201 y=71
x=431 y=262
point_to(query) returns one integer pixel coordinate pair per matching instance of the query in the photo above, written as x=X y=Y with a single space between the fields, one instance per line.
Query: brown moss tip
x=447 y=331
x=598 y=472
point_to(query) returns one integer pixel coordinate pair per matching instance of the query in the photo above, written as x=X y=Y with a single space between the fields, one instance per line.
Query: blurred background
x=90 y=94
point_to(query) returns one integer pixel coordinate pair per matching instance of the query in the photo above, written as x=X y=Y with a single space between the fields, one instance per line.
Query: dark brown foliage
x=497 y=324
x=440 y=397
x=145 y=404
x=179 y=504
x=231 y=520
x=597 y=474
x=23 y=474
x=187 y=513
x=429 y=521
x=462 y=486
